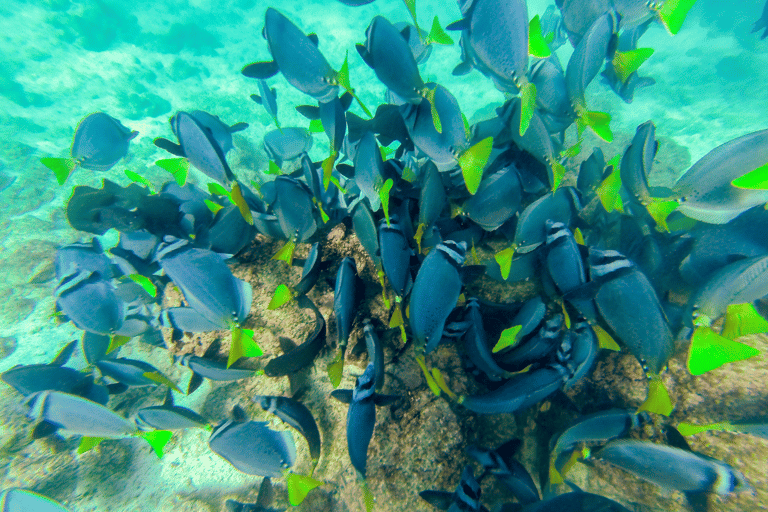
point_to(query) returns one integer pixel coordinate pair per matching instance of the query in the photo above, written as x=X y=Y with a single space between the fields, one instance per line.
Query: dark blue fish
x=466 y=497
x=361 y=419
x=674 y=468
x=552 y=99
x=637 y=162
x=207 y=283
x=762 y=23
x=205 y=367
x=100 y=142
x=267 y=99
x=497 y=199
x=168 y=417
x=263 y=501
x=375 y=352
x=252 y=447
x=434 y=294
x=91 y=303
x=565 y=265
x=395 y=257
x=81 y=257
x=364 y=226
x=502 y=464
x=303 y=355
x=476 y=344
x=369 y=170
x=577 y=501
x=628 y=304
x=219 y=130
x=536 y=348
x=296 y=214
x=627 y=43
x=23 y=500
x=388 y=54
x=130 y=372
x=356 y=3
x=344 y=305
x=296 y=415
x=287 y=144
x=531 y=226
x=296 y=56
x=417 y=39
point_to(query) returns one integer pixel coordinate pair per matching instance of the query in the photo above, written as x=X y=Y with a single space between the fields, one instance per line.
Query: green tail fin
x=709 y=350
x=673 y=13
x=558 y=172
x=141 y=180
x=178 y=167
x=157 y=439
x=286 y=253
x=527 y=106
x=658 y=400
x=605 y=340
x=242 y=345
x=162 y=380
x=215 y=189
x=438 y=35
x=335 y=369
x=273 y=168
x=88 y=444
x=660 y=210
x=299 y=486
x=440 y=381
x=61 y=167
x=504 y=260
x=328 y=169
x=384 y=197
x=756 y=179
x=472 y=163
x=145 y=283
x=741 y=320
x=368 y=498
x=609 y=191
x=343 y=77
x=282 y=296
x=691 y=429
x=411 y=5
x=430 y=97
x=537 y=45
x=214 y=207
x=239 y=200
x=508 y=338
x=626 y=63
x=315 y=126
x=428 y=376
x=599 y=122
x=116 y=342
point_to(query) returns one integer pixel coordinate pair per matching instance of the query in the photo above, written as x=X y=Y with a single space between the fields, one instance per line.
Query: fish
x=629 y=306
x=21 y=500
x=429 y=309
x=705 y=191
x=476 y=344
x=637 y=162
x=168 y=416
x=268 y=100
x=577 y=501
x=251 y=446
x=131 y=372
x=100 y=142
x=621 y=72
x=204 y=367
x=740 y=282
x=598 y=43
x=95 y=210
x=395 y=257
x=263 y=501
x=552 y=99
x=303 y=355
x=388 y=54
x=296 y=415
x=86 y=257
x=417 y=39
x=356 y=3
x=762 y=23
x=501 y=464
x=361 y=419
x=375 y=352
x=199 y=145
x=219 y=130
x=531 y=225
x=91 y=303
x=297 y=57
x=466 y=497
x=287 y=144
x=294 y=209
x=537 y=348
x=583 y=352
x=565 y=265
x=206 y=282
x=674 y=468
x=227 y=233
x=55 y=411
x=497 y=199
x=344 y=309
x=95 y=347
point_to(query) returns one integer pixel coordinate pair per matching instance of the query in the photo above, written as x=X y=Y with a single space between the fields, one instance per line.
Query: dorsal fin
x=313 y=37
x=213 y=349
x=64 y=354
x=238 y=414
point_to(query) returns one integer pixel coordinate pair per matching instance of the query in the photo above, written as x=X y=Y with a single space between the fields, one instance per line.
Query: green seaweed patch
x=756 y=179
x=537 y=44
x=62 y=167
x=508 y=338
x=742 y=320
x=472 y=163
x=709 y=351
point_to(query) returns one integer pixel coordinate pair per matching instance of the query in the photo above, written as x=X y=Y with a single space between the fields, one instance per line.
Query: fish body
x=501 y=464
x=76 y=415
x=303 y=355
x=673 y=468
x=77 y=257
x=219 y=130
x=100 y=142
x=294 y=209
x=201 y=148
x=296 y=415
x=361 y=419
x=531 y=226
x=168 y=417
x=435 y=292
x=91 y=303
x=252 y=447
x=637 y=162
x=267 y=98
x=287 y=144
x=497 y=199
x=213 y=370
x=395 y=257
x=130 y=372
x=344 y=306
x=23 y=500
x=476 y=344
x=705 y=192
x=369 y=169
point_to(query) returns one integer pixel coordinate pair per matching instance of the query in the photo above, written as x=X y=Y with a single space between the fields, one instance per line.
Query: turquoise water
x=143 y=62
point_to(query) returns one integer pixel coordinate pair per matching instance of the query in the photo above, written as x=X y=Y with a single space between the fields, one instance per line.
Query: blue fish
x=100 y=142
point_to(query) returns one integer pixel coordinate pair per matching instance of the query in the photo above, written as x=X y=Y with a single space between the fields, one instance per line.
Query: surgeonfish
x=388 y=54
x=395 y=257
x=251 y=446
x=630 y=307
x=23 y=500
x=287 y=144
x=100 y=142
x=361 y=419
x=476 y=344
x=296 y=415
x=466 y=497
x=267 y=98
x=203 y=367
x=91 y=303
x=303 y=355
x=344 y=306
x=762 y=23
x=168 y=416
x=674 y=468
x=263 y=501
x=56 y=411
x=501 y=463
x=497 y=199
x=531 y=225
x=429 y=308
x=577 y=501
x=297 y=57
x=637 y=162
x=705 y=191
